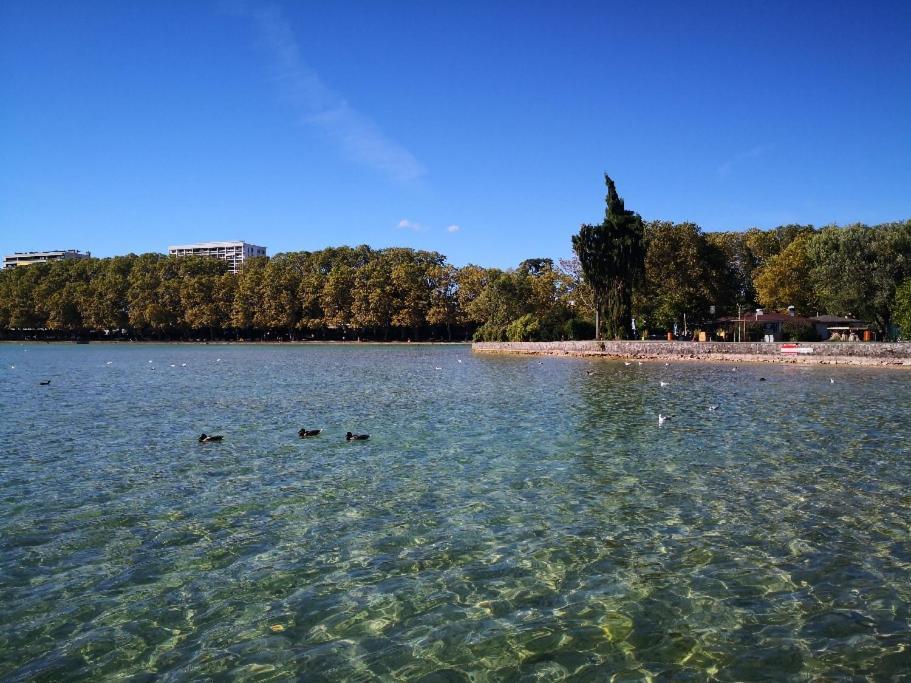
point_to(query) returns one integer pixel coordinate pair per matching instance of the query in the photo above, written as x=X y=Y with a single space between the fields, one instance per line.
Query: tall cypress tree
x=612 y=255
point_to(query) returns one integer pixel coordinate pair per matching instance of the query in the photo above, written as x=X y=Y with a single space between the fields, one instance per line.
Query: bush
x=550 y=327
x=489 y=332
x=755 y=332
x=799 y=331
x=575 y=329
x=525 y=328
x=902 y=309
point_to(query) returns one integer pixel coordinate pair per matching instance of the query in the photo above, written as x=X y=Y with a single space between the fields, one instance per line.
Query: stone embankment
x=815 y=353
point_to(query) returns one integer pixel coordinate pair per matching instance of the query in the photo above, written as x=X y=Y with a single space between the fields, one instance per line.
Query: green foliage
x=685 y=274
x=577 y=329
x=736 y=279
x=785 y=279
x=799 y=331
x=902 y=308
x=855 y=270
x=349 y=292
x=359 y=292
x=754 y=332
x=490 y=332
x=612 y=258
x=525 y=328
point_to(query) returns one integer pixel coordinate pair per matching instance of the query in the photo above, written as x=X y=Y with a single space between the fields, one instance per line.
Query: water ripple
x=509 y=518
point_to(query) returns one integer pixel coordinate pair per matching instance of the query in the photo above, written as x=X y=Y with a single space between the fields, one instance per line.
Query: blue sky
x=478 y=129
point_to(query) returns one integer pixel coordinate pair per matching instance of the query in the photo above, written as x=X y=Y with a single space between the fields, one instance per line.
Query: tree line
x=659 y=272
x=656 y=277
x=335 y=293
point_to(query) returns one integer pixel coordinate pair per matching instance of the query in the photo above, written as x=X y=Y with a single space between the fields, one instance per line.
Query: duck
x=205 y=438
x=356 y=437
x=661 y=419
x=308 y=432
x=45 y=382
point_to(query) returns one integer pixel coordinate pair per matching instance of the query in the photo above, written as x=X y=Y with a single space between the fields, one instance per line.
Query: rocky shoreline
x=877 y=354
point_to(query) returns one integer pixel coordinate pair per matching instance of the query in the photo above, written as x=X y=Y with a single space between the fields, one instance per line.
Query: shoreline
x=851 y=354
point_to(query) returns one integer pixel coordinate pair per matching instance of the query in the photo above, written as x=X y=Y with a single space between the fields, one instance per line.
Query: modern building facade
x=27 y=258
x=235 y=253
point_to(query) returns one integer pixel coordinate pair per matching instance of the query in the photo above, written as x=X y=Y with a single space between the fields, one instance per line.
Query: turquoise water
x=510 y=518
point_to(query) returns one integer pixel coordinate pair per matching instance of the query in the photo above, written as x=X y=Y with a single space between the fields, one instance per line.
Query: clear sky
x=478 y=129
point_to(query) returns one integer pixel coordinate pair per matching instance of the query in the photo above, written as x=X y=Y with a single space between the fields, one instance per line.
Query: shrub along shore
x=884 y=354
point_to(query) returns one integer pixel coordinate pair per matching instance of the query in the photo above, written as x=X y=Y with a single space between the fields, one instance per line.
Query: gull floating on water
x=713 y=408
x=831 y=380
x=625 y=363
x=460 y=360
x=183 y=365
x=661 y=419
x=110 y=362
x=438 y=368
x=663 y=383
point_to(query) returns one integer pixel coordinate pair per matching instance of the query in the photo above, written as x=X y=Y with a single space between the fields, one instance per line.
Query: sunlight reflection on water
x=509 y=517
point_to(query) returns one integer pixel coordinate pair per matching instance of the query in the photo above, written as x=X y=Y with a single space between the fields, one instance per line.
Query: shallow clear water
x=510 y=518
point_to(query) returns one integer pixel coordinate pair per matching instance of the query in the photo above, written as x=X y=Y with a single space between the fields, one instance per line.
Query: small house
x=770 y=325
x=838 y=328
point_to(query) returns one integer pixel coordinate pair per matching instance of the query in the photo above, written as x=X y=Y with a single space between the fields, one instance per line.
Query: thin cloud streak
x=453 y=228
x=356 y=135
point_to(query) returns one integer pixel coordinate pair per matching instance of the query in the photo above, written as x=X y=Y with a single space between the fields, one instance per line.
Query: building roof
x=836 y=320
x=49 y=252
x=214 y=245
x=769 y=317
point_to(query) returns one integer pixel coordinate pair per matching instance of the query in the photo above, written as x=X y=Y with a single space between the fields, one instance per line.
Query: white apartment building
x=27 y=258
x=235 y=253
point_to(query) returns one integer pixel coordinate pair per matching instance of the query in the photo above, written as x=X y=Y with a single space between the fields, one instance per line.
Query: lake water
x=510 y=518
